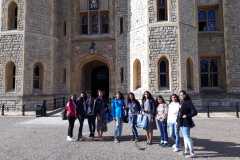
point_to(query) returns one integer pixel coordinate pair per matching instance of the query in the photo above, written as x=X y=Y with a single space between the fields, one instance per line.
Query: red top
x=71 y=109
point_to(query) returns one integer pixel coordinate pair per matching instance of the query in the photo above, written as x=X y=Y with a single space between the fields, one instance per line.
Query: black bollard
x=208 y=111
x=55 y=103
x=23 y=110
x=237 y=109
x=3 y=109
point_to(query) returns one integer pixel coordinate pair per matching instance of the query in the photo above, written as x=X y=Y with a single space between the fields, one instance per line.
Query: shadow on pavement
x=209 y=148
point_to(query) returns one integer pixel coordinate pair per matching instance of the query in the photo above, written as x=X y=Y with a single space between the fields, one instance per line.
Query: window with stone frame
x=137 y=74
x=121 y=25
x=94 y=23
x=162 y=10
x=38 y=76
x=12 y=16
x=84 y=23
x=163 y=73
x=122 y=74
x=209 y=68
x=94 y=17
x=104 y=22
x=208 y=18
x=10 y=75
x=65 y=28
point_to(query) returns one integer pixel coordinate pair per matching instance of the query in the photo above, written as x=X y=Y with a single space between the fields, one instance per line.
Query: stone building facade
x=51 y=48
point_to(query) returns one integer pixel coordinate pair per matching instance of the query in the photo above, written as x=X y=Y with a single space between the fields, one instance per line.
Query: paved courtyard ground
x=45 y=139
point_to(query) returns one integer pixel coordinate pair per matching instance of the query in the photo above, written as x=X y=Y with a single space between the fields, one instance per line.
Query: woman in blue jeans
x=134 y=108
x=173 y=109
x=185 y=122
x=118 y=107
x=161 y=118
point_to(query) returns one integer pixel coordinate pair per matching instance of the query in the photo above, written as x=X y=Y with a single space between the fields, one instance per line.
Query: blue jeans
x=174 y=133
x=118 y=128
x=162 y=126
x=187 y=139
x=133 y=123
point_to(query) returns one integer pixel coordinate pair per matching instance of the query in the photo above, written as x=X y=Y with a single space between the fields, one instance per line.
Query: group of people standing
x=175 y=116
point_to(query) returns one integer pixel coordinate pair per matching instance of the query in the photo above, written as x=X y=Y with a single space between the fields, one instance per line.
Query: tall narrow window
x=64 y=28
x=64 y=75
x=121 y=25
x=189 y=70
x=104 y=22
x=12 y=16
x=122 y=74
x=94 y=23
x=38 y=76
x=162 y=11
x=207 y=19
x=10 y=76
x=163 y=73
x=209 y=72
x=136 y=74
x=84 y=24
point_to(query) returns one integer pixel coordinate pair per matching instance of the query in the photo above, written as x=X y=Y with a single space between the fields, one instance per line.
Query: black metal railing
x=44 y=105
x=219 y=107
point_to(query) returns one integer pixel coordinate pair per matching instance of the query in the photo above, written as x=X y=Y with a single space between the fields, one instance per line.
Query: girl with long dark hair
x=101 y=107
x=134 y=108
x=161 y=118
x=185 y=122
x=71 y=116
x=118 y=106
x=148 y=107
x=173 y=109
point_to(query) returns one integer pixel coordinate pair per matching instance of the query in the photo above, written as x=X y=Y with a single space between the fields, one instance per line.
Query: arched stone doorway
x=94 y=76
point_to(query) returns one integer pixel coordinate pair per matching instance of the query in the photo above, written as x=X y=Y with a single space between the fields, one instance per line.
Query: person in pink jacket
x=71 y=115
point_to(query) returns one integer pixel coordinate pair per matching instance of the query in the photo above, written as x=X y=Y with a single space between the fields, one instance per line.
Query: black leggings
x=71 y=121
x=92 y=125
x=81 y=120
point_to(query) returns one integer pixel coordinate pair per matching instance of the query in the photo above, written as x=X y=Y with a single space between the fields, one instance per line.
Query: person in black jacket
x=185 y=122
x=81 y=112
x=91 y=115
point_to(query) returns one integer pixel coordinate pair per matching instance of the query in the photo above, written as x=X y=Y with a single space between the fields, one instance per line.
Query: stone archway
x=94 y=76
x=89 y=69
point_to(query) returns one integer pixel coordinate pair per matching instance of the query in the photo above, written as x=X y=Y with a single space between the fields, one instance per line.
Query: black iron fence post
x=55 y=103
x=208 y=111
x=3 y=106
x=23 y=110
x=237 y=109
x=63 y=105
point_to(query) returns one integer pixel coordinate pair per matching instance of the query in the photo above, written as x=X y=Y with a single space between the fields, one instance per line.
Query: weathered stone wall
x=11 y=50
x=163 y=42
x=188 y=42
x=138 y=42
x=122 y=59
x=232 y=44
x=62 y=47
x=39 y=44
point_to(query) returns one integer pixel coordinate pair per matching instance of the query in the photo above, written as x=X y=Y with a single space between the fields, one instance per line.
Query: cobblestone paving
x=45 y=139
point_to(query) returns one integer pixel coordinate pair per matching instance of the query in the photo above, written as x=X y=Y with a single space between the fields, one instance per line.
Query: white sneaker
x=116 y=140
x=69 y=139
x=174 y=146
x=192 y=155
x=176 y=149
